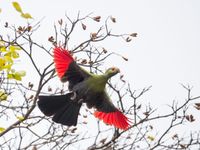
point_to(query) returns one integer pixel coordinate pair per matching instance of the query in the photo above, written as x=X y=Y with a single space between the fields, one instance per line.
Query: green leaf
x=26 y=15
x=17 y=7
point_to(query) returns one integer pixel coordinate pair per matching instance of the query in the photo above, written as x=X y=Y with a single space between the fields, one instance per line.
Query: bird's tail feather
x=63 y=109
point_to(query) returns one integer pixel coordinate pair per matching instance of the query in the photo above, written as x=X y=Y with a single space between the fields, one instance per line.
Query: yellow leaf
x=21 y=73
x=17 y=77
x=0 y=10
x=12 y=70
x=8 y=54
x=3 y=49
x=2 y=62
x=15 y=55
x=20 y=118
x=8 y=67
x=10 y=76
x=2 y=129
x=17 y=7
x=8 y=59
x=26 y=15
x=2 y=43
x=3 y=96
x=151 y=138
x=13 y=48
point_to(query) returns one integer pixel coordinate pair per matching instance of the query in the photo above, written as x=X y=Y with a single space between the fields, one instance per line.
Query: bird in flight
x=84 y=87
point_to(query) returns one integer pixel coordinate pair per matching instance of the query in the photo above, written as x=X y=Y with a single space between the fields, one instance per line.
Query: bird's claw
x=80 y=101
x=74 y=96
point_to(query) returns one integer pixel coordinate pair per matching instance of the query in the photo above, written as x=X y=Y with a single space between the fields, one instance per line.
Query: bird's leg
x=74 y=96
x=80 y=101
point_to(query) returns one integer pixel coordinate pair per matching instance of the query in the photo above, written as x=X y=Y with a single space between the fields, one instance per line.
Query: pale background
x=165 y=54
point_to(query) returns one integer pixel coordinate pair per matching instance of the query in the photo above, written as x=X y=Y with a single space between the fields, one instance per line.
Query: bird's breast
x=90 y=91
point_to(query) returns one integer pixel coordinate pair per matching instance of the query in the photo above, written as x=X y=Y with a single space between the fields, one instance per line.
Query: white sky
x=165 y=53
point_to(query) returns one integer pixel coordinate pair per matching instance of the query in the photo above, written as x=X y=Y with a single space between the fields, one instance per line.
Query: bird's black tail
x=63 y=109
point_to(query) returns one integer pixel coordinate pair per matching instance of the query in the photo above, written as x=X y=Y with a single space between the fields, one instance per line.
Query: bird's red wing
x=110 y=115
x=66 y=67
x=62 y=60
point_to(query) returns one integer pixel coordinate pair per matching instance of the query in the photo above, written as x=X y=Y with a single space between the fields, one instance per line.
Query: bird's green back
x=97 y=82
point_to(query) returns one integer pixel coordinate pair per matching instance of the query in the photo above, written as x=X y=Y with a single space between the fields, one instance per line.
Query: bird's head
x=112 y=71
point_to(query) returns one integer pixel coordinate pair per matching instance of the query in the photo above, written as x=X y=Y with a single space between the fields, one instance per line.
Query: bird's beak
x=117 y=70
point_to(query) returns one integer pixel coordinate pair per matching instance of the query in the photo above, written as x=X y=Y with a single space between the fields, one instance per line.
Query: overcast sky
x=165 y=53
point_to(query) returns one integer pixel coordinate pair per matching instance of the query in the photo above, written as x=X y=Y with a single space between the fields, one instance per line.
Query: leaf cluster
x=18 y=8
x=7 y=56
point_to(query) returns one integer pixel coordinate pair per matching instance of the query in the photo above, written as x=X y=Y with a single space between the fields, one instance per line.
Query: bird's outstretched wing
x=67 y=68
x=107 y=112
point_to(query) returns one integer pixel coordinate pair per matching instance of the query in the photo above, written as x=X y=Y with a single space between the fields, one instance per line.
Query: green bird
x=84 y=87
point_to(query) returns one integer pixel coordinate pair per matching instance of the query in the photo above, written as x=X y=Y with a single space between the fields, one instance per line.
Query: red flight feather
x=116 y=118
x=62 y=60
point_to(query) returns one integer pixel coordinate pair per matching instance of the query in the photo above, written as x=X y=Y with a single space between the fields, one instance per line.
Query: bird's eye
x=113 y=69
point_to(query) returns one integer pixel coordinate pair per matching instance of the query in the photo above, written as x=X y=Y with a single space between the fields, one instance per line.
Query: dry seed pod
x=6 y=24
x=60 y=22
x=128 y=39
x=104 y=50
x=126 y=59
x=51 y=39
x=113 y=19
x=84 y=26
x=84 y=61
x=93 y=35
x=29 y=28
x=133 y=34
x=97 y=18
